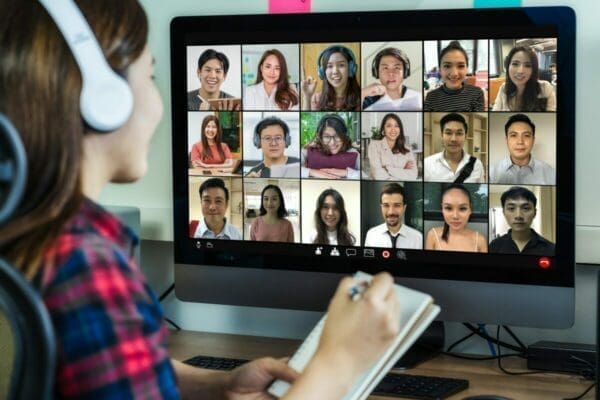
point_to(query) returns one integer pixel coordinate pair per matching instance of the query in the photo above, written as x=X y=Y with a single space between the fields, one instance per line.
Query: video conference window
x=393 y=143
x=523 y=75
x=392 y=76
x=425 y=146
x=270 y=77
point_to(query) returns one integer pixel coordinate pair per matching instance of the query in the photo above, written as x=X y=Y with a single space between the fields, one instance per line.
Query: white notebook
x=417 y=311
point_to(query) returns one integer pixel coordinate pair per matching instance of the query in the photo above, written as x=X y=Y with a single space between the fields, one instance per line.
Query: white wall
x=153 y=193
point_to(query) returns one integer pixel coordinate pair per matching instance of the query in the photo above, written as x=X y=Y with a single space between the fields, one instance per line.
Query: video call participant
x=391 y=66
x=214 y=197
x=454 y=94
x=330 y=155
x=455 y=235
x=331 y=220
x=520 y=167
x=453 y=164
x=390 y=158
x=519 y=209
x=336 y=67
x=210 y=151
x=212 y=72
x=272 y=90
x=271 y=225
x=523 y=91
x=393 y=233
x=272 y=136
x=60 y=227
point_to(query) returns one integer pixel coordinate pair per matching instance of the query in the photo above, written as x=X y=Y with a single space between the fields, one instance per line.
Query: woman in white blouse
x=390 y=158
x=272 y=90
x=522 y=90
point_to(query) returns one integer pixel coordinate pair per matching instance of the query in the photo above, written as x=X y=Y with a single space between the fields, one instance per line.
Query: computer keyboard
x=219 y=363
x=419 y=386
x=392 y=385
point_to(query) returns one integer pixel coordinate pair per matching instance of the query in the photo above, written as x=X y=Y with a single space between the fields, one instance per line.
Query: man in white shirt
x=520 y=167
x=453 y=164
x=215 y=200
x=393 y=233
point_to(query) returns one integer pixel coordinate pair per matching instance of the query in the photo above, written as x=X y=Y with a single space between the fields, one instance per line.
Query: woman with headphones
x=337 y=68
x=391 y=66
x=330 y=155
x=272 y=136
x=109 y=326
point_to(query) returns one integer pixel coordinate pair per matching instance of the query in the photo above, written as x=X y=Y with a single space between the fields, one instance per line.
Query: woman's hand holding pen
x=358 y=329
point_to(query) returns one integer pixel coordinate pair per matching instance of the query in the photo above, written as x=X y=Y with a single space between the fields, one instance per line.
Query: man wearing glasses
x=272 y=136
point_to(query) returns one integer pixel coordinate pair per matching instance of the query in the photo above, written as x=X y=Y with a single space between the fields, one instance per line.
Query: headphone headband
x=394 y=52
x=337 y=48
x=270 y=121
x=106 y=101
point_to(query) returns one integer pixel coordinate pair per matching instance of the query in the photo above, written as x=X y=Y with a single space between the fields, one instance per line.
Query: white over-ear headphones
x=106 y=101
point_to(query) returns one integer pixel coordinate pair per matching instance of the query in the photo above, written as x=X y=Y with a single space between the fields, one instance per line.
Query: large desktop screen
x=436 y=145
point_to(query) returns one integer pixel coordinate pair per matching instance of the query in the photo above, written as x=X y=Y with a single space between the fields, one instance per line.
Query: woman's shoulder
x=473 y=89
x=545 y=86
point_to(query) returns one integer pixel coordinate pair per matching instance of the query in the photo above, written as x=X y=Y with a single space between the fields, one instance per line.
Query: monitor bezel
x=416 y=25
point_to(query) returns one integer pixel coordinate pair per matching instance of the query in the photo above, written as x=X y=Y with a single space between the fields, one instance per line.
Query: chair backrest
x=32 y=372
x=33 y=348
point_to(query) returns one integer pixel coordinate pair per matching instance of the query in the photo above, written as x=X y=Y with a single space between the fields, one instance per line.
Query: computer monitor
x=424 y=68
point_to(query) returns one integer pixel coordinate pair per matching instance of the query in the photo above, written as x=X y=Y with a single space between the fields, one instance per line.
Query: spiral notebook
x=417 y=311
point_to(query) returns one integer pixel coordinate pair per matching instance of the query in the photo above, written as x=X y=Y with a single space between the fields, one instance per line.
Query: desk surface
x=484 y=376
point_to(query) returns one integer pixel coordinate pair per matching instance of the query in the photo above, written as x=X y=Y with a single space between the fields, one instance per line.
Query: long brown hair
x=40 y=85
x=328 y=100
x=344 y=237
x=400 y=142
x=206 y=153
x=285 y=97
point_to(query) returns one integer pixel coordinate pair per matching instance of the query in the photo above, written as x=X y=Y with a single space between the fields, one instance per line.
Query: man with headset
x=272 y=136
x=391 y=66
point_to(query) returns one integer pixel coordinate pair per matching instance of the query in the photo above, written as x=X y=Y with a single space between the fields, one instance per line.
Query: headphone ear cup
x=321 y=72
x=288 y=139
x=256 y=138
x=374 y=71
x=351 y=69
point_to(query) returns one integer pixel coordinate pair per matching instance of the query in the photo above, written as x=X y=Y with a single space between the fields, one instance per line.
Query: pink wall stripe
x=289 y=6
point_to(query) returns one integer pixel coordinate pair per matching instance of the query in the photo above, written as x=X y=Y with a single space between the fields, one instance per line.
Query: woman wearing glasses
x=330 y=155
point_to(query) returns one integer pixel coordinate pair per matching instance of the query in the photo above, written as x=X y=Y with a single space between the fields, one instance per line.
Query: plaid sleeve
x=109 y=325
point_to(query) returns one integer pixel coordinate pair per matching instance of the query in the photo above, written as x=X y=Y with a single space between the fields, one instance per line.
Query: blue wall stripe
x=496 y=3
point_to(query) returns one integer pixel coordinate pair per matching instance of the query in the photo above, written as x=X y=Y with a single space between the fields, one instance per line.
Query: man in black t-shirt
x=519 y=208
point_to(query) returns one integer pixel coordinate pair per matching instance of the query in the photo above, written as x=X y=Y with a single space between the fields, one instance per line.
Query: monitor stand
x=427 y=346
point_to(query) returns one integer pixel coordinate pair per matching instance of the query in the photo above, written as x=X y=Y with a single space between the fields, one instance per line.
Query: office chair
x=33 y=366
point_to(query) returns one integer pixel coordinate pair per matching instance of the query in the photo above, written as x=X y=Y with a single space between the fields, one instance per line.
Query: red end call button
x=544 y=262
x=385 y=254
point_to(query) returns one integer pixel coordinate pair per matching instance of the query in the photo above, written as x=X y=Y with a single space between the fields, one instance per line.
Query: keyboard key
x=419 y=386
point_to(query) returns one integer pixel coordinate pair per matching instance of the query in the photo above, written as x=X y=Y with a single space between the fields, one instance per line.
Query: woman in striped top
x=454 y=94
